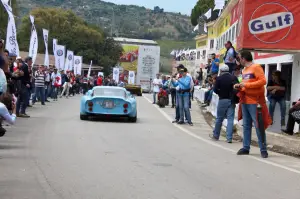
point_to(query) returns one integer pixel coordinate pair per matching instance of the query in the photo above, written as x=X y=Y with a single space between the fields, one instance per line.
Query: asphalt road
x=55 y=155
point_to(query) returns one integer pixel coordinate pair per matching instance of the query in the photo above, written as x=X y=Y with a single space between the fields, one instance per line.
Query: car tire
x=133 y=119
x=84 y=117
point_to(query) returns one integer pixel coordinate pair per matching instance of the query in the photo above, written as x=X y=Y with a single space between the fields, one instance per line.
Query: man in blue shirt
x=184 y=84
x=215 y=62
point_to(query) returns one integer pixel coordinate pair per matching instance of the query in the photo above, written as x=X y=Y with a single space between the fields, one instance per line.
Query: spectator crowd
x=23 y=84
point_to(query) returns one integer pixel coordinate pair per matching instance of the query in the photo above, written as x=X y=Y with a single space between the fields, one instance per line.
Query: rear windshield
x=109 y=92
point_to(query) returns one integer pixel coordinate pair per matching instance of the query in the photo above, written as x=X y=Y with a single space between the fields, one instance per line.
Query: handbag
x=296 y=116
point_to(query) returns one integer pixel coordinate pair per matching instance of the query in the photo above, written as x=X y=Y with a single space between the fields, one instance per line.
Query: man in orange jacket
x=252 y=89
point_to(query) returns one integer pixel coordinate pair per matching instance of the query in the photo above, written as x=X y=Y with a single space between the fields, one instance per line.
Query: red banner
x=269 y=25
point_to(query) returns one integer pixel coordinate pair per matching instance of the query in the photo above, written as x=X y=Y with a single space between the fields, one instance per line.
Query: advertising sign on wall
x=269 y=25
x=148 y=65
x=128 y=61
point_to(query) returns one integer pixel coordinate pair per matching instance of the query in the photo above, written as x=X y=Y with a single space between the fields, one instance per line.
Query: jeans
x=22 y=101
x=183 y=101
x=231 y=67
x=273 y=105
x=54 y=92
x=208 y=96
x=154 y=97
x=250 y=117
x=40 y=94
x=173 y=96
x=66 y=88
x=225 y=110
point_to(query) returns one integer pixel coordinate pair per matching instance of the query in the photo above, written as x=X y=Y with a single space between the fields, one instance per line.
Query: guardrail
x=199 y=94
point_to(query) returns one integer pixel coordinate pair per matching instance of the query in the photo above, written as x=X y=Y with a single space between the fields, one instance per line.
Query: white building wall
x=295 y=91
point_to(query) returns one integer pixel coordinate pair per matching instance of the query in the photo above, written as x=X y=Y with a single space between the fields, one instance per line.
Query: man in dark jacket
x=23 y=89
x=226 y=106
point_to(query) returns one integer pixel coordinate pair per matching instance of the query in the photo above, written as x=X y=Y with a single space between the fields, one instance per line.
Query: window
x=204 y=54
x=212 y=43
x=109 y=92
x=233 y=33
x=230 y=39
x=198 y=54
x=226 y=37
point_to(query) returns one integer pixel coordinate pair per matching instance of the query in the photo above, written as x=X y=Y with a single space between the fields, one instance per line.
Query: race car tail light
x=125 y=105
x=90 y=109
x=90 y=104
x=125 y=111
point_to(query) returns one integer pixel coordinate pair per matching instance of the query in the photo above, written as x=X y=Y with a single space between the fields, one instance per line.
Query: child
x=162 y=98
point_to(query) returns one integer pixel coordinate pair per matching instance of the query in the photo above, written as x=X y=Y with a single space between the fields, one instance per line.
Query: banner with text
x=60 y=57
x=77 y=65
x=131 y=77
x=46 y=34
x=148 y=65
x=11 y=35
x=69 y=60
x=90 y=69
x=116 y=74
x=33 y=46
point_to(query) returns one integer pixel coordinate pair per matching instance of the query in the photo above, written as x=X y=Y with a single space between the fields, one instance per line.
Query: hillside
x=125 y=20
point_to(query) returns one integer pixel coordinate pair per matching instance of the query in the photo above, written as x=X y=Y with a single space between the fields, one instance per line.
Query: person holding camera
x=183 y=96
x=23 y=94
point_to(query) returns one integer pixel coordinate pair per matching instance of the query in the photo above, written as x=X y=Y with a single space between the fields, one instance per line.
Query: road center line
x=186 y=131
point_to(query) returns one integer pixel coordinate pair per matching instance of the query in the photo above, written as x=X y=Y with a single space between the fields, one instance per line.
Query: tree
x=84 y=39
x=4 y=17
x=201 y=7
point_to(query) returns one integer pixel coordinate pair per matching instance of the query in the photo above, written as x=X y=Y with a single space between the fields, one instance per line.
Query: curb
x=279 y=143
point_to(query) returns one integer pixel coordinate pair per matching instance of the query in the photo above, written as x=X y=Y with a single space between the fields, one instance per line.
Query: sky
x=184 y=7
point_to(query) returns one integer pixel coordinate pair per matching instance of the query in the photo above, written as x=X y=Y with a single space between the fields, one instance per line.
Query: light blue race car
x=108 y=102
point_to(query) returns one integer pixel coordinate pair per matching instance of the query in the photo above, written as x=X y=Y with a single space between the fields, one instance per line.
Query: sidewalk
x=204 y=123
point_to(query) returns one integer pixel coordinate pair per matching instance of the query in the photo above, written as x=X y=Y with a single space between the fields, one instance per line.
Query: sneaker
x=243 y=151
x=180 y=122
x=47 y=101
x=213 y=137
x=24 y=115
x=264 y=154
x=30 y=105
x=2 y=131
x=229 y=141
x=175 y=121
x=43 y=104
x=191 y=124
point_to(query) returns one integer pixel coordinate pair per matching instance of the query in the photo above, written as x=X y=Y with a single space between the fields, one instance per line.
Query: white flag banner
x=219 y=4
x=116 y=74
x=60 y=57
x=100 y=74
x=148 y=62
x=54 y=45
x=196 y=27
x=11 y=34
x=205 y=27
x=69 y=60
x=33 y=46
x=77 y=65
x=208 y=14
x=131 y=77
x=46 y=34
x=90 y=69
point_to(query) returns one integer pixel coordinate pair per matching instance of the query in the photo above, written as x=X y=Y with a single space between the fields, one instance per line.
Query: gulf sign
x=270 y=25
